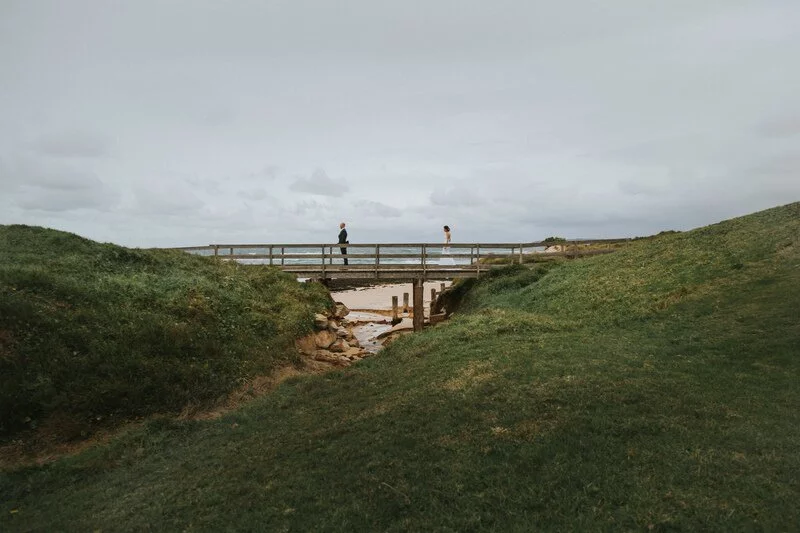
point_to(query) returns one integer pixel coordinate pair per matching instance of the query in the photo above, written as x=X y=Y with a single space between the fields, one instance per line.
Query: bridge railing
x=293 y=256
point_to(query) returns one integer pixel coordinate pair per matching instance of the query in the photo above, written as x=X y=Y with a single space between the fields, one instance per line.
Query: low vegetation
x=651 y=389
x=91 y=333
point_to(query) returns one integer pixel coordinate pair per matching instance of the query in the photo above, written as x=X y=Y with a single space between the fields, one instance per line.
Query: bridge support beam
x=419 y=306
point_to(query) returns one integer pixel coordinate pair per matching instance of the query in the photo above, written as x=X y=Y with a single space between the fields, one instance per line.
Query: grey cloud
x=562 y=118
x=459 y=196
x=54 y=187
x=167 y=197
x=253 y=194
x=20 y=171
x=639 y=187
x=310 y=208
x=780 y=128
x=269 y=172
x=72 y=144
x=65 y=200
x=787 y=163
x=376 y=209
x=320 y=184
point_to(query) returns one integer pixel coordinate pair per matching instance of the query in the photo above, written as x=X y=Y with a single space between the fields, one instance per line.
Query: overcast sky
x=167 y=122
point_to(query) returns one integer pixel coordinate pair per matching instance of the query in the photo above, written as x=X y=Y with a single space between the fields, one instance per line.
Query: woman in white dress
x=446 y=249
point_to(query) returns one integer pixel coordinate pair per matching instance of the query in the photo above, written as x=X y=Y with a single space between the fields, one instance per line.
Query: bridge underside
x=388 y=272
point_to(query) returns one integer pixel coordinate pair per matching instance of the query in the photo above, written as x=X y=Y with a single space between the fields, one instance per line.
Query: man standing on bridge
x=343 y=240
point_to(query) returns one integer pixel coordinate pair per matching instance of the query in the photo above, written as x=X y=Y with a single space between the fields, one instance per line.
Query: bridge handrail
x=533 y=244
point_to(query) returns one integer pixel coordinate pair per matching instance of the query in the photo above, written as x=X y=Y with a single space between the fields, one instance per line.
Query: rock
x=307 y=345
x=332 y=325
x=324 y=338
x=332 y=358
x=340 y=345
x=354 y=352
x=320 y=321
x=342 y=333
x=340 y=310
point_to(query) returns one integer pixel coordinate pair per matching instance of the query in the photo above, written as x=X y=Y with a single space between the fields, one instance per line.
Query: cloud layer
x=509 y=121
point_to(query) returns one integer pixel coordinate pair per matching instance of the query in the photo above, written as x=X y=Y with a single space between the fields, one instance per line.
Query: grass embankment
x=92 y=333
x=652 y=389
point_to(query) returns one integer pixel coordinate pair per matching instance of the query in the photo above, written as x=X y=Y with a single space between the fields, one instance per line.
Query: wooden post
x=433 y=301
x=419 y=311
x=283 y=252
x=424 y=259
x=405 y=302
x=323 y=262
x=270 y=255
x=433 y=293
x=378 y=261
x=216 y=250
x=330 y=255
x=394 y=310
x=441 y=287
x=520 y=254
x=231 y=250
x=478 y=259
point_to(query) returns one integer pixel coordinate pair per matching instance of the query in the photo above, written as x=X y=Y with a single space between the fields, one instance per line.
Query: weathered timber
x=419 y=311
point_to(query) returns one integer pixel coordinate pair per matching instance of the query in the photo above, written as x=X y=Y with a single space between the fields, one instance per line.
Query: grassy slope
x=91 y=330
x=656 y=388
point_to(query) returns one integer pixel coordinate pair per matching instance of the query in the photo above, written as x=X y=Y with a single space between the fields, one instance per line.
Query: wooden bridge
x=397 y=261
x=416 y=262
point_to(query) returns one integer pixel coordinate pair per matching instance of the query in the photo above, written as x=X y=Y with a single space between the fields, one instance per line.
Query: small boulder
x=324 y=338
x=342 y=333
x=340 y=310
x=339 y=346
x=354 y=352
x=332 y=358
x=306 y=345
x=320 y=321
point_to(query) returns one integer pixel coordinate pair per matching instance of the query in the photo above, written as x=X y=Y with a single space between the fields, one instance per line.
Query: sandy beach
x=379 y=297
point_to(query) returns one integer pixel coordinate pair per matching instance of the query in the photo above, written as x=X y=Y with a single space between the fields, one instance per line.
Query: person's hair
x=447 y=228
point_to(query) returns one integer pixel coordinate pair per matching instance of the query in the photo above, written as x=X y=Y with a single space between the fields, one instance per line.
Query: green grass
x=92 y=333
x=653 y=389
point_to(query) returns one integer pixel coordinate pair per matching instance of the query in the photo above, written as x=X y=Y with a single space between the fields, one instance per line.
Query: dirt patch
x=255 y=388
x=48 y=443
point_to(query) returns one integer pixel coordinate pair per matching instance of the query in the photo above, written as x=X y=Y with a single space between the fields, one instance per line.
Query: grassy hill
x=92 y=332
x=652 y=389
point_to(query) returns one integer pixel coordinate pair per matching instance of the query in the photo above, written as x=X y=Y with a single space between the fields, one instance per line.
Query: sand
x=379 y=297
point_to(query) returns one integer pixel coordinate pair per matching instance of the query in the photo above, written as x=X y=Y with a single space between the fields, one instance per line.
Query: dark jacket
x=343 y=236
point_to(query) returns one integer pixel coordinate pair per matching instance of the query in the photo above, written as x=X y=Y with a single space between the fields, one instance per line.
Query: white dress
x=447 y=259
